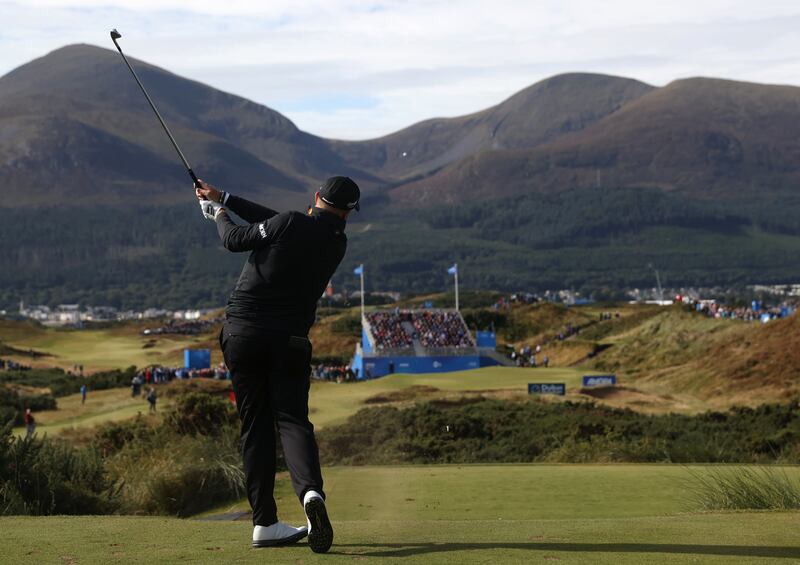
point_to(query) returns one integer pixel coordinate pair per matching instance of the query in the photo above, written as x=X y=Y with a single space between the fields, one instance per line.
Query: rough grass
x=745 y=488
x=708 y=363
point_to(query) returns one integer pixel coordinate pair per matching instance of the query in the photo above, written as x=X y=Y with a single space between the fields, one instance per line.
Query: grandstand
x=419 y=341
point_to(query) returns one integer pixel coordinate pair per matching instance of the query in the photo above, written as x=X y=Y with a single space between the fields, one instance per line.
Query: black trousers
x=271 y=380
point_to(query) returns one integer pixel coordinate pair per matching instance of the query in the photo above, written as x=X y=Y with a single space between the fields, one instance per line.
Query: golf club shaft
x=160 y=119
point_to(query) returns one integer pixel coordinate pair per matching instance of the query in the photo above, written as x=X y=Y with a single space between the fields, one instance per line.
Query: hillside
x=715 y=361
x=531 y=117
x=702 y=137
x=97 y=135
x=578 y=181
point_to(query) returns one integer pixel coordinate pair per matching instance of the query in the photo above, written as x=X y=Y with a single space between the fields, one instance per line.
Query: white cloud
x=411 y=60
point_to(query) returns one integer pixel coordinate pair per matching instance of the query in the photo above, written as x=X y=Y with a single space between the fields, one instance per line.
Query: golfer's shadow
x=410 y=549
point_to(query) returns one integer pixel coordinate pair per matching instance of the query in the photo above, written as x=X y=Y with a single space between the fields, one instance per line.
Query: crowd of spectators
x=10 y=365
x=184 y=327
x=568 y=331
x=433 y=329
x=529 y=357
x=160 y=375
x=755 y=311
x=608 y=315
x=505 y=302
x=441 y=329
x=334 y=373
x=387 y=329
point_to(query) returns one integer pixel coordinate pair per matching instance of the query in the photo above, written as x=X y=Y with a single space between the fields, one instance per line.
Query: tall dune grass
x=744 y=488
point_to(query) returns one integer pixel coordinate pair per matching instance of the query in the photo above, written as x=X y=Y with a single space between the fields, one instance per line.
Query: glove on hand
x=210 y=208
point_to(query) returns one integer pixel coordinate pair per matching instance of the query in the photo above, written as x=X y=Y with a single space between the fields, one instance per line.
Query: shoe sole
x=320 y=538
x=283 y=541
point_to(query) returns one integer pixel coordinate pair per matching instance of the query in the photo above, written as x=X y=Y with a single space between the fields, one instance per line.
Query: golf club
x=116 y=35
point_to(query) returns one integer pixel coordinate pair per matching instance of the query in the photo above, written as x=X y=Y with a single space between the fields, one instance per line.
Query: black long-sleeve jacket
x=292 y=258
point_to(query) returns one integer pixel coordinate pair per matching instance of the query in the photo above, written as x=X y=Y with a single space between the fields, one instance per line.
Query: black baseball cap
x=341 y=192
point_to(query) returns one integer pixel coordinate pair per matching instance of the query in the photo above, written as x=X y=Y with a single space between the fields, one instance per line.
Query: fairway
x=332 y=403
x=628 y=514
x=100 y=349
x=101 y=406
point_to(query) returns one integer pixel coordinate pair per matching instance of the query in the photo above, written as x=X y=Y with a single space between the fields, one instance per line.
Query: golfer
x=265 y=343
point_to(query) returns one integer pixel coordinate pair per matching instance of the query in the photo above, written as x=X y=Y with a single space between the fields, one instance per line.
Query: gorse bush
x=478 y=430
x=198 y=413
x=744 y=488
x=183 y=463
x=179 y=475
x=13 y=405
x=43 y=476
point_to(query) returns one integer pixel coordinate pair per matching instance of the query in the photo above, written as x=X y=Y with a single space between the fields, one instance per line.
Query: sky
x=356 y=70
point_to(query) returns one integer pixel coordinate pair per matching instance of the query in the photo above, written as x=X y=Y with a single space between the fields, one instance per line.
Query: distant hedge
x=61 y=383
x=478 y=430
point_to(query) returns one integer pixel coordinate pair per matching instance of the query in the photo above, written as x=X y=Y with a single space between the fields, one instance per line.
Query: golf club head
x=115 y=35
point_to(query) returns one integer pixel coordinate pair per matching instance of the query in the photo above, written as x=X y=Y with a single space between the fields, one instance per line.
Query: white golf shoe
x=320 y=531
x=277 y=534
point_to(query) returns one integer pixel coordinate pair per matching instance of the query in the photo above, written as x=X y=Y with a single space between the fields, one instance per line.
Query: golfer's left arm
x=252 y=236
x=250 y=212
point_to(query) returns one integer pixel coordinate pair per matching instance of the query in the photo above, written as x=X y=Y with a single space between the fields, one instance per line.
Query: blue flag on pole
x=453 y=270
x=359 y=270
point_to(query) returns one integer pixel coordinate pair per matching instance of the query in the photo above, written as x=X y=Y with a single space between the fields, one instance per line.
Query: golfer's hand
x=206 y=191
x=210 y=209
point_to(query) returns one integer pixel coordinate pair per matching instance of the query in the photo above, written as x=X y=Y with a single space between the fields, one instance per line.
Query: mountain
x=94 y=133
x=540 y=113
x=579 y=181
x=705 y=138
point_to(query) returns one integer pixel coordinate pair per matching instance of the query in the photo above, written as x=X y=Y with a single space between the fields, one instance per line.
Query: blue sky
x=354 y=70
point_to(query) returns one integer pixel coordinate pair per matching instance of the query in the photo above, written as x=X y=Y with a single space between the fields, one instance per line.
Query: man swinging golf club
x=265 y=343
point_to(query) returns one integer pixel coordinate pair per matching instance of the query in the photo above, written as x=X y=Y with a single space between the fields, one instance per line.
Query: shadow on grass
x=407 y=550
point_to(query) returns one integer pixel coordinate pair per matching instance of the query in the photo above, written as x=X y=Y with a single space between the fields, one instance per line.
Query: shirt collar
x=329 y=217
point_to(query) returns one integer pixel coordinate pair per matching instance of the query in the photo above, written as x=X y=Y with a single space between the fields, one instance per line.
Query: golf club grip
x=194 y=177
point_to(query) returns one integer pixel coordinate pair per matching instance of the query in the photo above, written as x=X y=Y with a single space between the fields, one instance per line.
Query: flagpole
x=456 y=273
x=362 y=291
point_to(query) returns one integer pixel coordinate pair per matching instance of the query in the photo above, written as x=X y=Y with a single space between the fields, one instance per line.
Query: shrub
x=179 y=475
x=744 y=488
x=42 y=476
x=200 y=414
x=13 y=405
x=480 y=430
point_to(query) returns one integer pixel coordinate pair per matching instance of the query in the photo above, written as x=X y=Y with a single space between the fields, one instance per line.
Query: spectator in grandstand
x=387 y=329
x=441 y=329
